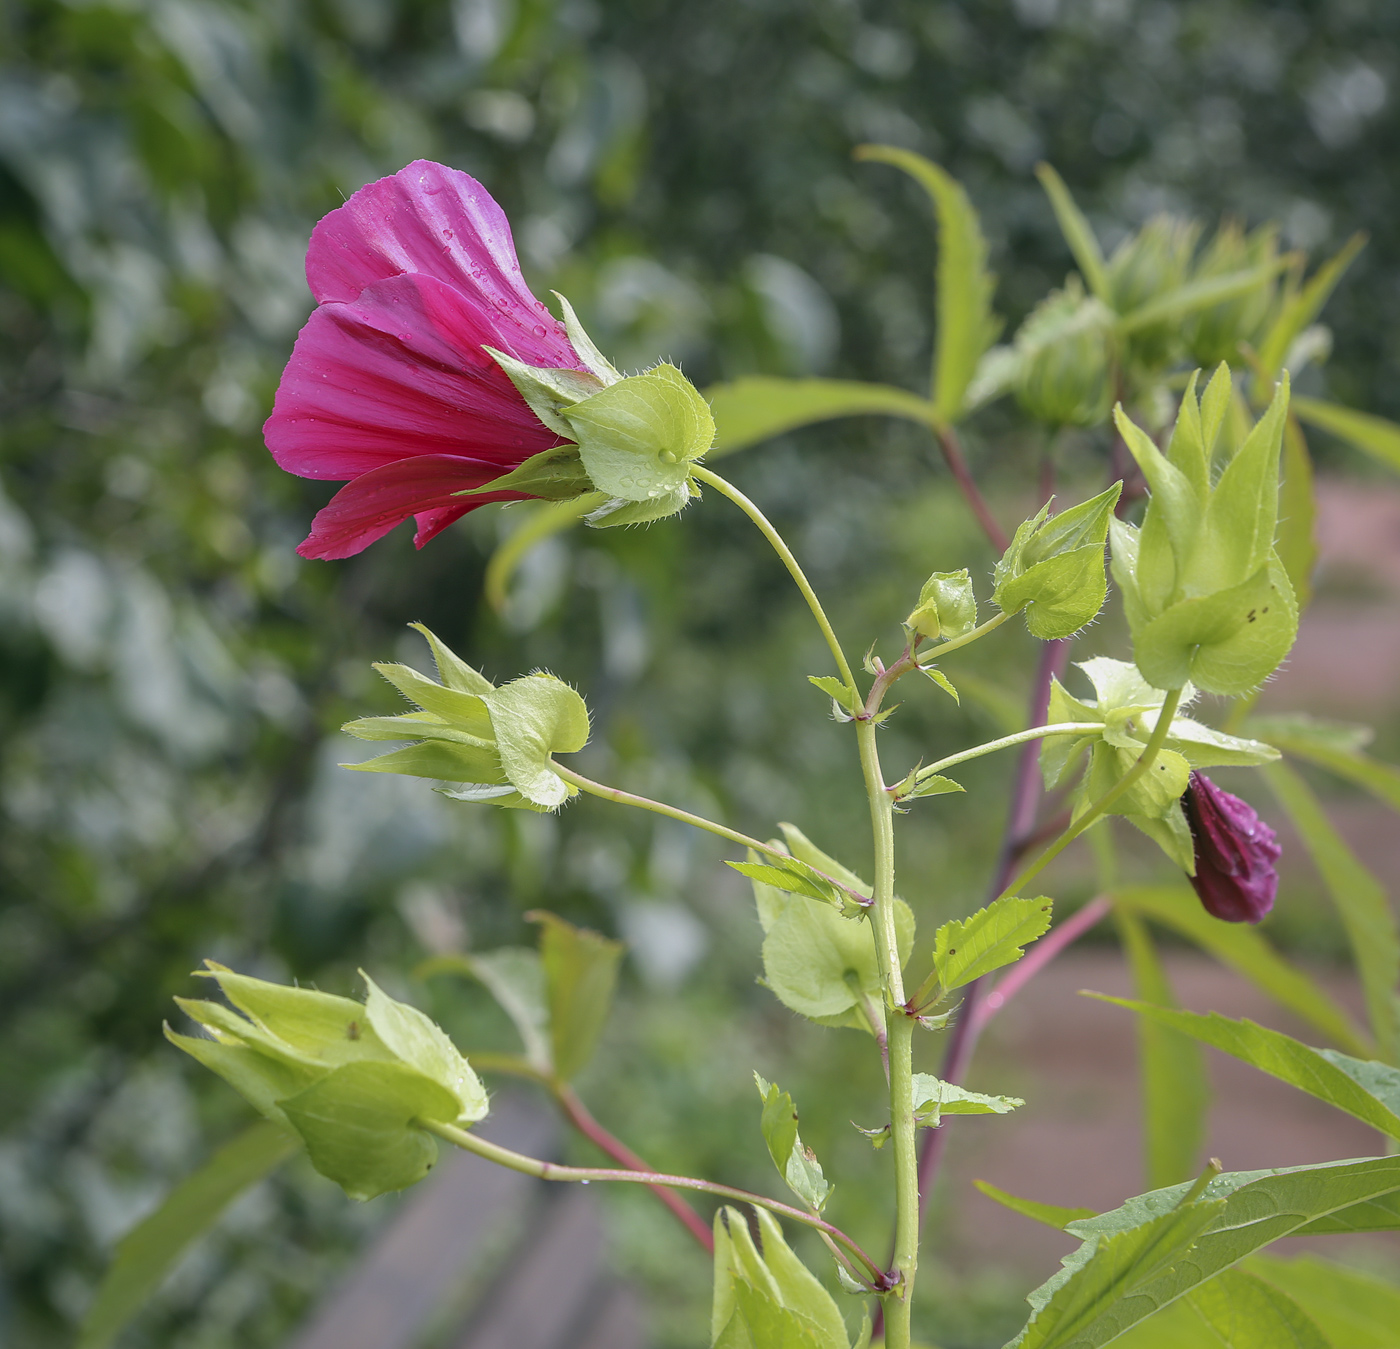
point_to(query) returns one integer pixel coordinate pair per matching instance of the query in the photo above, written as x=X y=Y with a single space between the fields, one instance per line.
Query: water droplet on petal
x=539 y=330
x=447 y=234
x=669 y=457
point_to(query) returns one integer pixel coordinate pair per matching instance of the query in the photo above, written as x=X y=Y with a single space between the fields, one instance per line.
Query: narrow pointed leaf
x=1078 y=234
x=759 y=407
x=1373 y=435
x=797 y=1164
x=1302 y=308
x=1052 y=1215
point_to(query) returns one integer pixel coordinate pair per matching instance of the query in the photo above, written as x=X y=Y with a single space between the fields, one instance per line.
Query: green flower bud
x=496 y=743
x=1146 y=266
x=1214 y=335
x=352 y=1079
x=1062 y=353
x=1053 y=568
x=1205 y=594
x=947 y=607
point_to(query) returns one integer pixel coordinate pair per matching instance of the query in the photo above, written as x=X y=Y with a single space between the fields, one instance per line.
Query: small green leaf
x=1368 y=1090
x=1175 y=1088
x=931 y=784
x=838 y=691
x=547 y=391
x=358 y=1124
x=757 y=408
x=968 y=948
x=942 y=681
x=418 y=1041
x=796 y=1163
x=598 y=364
x=452 y=670
x=934 y=1098
x=535 y=717
x=966 y=326
x=580 y=969
x=551 y=475
x=792 y=877
x=1052 y=1215
x=151 y=1249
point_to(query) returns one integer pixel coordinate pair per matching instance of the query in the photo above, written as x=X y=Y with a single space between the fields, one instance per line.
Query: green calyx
x=1054 y=567
x=634 y=437
x=494 y=743
x=350 y=1079
x=1062 y=355
x=1126 y=707
x=947 y=607
x=1205 y=593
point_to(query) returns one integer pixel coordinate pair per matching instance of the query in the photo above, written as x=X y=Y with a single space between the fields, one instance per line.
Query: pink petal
x=425 y=486
x=397 y=372
x=434 y=221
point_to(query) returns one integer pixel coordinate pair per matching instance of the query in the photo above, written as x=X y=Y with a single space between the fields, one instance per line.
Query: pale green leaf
x=966 y=327
x=151 y=1249
x=792 y=877
x=1374 y=435
x=942 y=681
x=1248 y=952
x=797 y=1164
x=1357 y=1310
x=1360 y=899
x=759 y=407
x=452 y=670
x=556 y=474
x=439 y=761
x=837 y=690
x=931 y=784
x=261 y=1080
x=968 y=948
x=1052 y=1215
x=533 y=718
x=1175 y=1088
x=358 y=1124
x=465 y=711
x=580 y=970
x=934 y=1098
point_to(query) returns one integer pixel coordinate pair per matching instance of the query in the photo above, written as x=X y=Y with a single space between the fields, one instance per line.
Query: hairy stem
x=899 y=1046
x=1006 y=741
x=617 y=795
x=789 y=561
x=542 y=1170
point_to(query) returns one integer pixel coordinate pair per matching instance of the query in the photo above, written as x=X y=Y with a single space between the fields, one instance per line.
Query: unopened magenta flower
x=1236 y=853
x=390 y=388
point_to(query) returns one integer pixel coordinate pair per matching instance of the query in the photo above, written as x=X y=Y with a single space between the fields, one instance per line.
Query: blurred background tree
x=172 y=677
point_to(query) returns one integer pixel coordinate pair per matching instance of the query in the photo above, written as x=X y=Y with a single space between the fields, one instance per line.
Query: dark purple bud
x=1235 y=853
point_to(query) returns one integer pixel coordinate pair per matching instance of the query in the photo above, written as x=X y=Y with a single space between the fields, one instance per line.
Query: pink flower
x=1236 y=853
x=388 y=386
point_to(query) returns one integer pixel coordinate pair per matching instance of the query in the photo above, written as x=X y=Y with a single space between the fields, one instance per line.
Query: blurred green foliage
x=172 y=676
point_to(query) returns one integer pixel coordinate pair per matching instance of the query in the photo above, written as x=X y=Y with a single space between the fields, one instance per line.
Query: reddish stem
x=1042 y=953
x=953 y=456
x=582 y=1120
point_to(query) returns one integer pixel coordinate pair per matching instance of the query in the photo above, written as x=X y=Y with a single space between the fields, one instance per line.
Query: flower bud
x=1214 y=335
x=1063 y=354
x=1146 y=266
x=1236 y=853
x=947 y=607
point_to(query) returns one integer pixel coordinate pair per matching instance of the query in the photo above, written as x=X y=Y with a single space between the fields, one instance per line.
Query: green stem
x=900 y=1047
x=616 y=794
x=981 y=630
x=1020 y=738
x=533 y=1166
x=783 y=551
x=1144 y=762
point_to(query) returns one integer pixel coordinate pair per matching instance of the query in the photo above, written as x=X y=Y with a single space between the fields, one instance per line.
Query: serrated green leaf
x=151 y=1249
x=1356 y=1309
x=966 y=326
x=535 y=717
x=1248 y=952
x=358 y=1124
x=1106 y=1287
x=416 y=1040
x=793 y=878
x=796 y=1163
x=1361 y=902
x=1078 y=235
x=580 y=970
x=1368 y=1090
x=837 y=690
x=1052 y=1215
x=934 y=1098
x=942 y=681
x=1373 y=435
x=931 y=784
x=1243 y=1312
x=968 y=948
x=759 y=407
x=1175 y=1088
